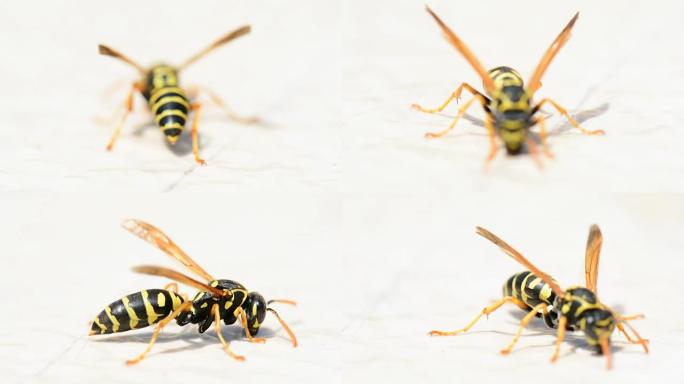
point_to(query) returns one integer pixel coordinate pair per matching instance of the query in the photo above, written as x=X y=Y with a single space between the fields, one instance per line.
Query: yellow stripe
x=161 y=300
x=152 y=316
x=171 y=126
x=171 y=112
x=134 y=319
x=112 y=318
x=103 y=328
x=170 y=99
x=162 y=91
x=176 y=301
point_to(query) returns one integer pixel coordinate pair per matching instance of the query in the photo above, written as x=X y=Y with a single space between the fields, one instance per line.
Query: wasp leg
x=461 y=111
x=158 y=329
x=226 y=346
x=543 y=135
x=562 y=323
x=523 y=323
x=639 y=339
x=486 y=311
x=243 y=318
x=532 y=146
x=565 y=113
x=218 y=100
x=129 y=108
x=455 y=95
x=196 y=108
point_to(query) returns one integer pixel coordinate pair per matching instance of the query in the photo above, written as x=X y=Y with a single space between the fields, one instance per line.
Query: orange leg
x=486 y=311
x=243 y=318
x=572 y=121
x=129 y=108
x=228 y=110
x=541 y=307
x=543 y=135
x=532 y=146
x=562 y=323
x=184 y=307
x=639 y=339
x=197 y=108
x=456 y=95
x=491 y=133
x=226 y=346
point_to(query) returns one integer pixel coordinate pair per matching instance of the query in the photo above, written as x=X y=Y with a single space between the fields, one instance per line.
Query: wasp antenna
x=285 y=327
x=282 y=301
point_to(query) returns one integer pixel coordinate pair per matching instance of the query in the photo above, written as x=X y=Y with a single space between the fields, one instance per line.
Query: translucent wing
x=230 y=36
x=156 y=237
x=107 y=51
x=177 y=276
x=592 y=256
x=535 y=80
x=451 y=37
x=520 y=259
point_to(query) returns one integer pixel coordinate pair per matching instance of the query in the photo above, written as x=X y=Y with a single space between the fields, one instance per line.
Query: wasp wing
x=520 y=259
x=156 y=237
x=177 y=276
x=108 y=51
x=561 y=39
x=592 y=256
x=228 y=37
x=451 y=37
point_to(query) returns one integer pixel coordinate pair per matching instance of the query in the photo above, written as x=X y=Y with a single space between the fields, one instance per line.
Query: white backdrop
x=338 y=201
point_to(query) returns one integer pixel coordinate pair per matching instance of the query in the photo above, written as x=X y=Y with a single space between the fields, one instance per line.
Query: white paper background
x=338 y=202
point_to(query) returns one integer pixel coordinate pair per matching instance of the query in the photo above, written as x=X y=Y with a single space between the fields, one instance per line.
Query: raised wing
x=561 y=39
x=107 y=51
x=179 y=277
x=156 y=237
x=451 y=37
x=230 y=36
x=520 y=259
x=592 y=256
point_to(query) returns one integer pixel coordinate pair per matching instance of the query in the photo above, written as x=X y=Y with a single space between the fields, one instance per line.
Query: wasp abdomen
x=135 y=311
x=529 y=288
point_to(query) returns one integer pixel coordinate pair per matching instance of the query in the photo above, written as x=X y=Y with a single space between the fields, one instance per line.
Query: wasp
x=217 y=300
x=574 y=309
x=167 y=100
x=507 y=102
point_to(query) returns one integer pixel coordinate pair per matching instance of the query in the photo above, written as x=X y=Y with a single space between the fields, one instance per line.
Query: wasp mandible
x=507 y=102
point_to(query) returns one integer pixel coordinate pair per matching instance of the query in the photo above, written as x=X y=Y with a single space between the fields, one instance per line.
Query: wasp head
x=255 y=308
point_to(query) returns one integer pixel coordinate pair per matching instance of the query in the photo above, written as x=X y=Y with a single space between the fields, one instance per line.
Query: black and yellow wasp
x=217 y=300
x=508 y=105
x=169 y=103
x=574 y=309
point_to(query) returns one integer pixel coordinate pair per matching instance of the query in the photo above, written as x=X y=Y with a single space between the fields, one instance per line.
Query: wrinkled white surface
x=338 y=202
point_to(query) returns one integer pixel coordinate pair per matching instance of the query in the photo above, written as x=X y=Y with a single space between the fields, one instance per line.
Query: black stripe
x=171 y=105
x=171 y=119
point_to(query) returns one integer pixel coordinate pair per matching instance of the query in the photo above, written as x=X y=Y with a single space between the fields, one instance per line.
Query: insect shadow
x=193 y=339
x=574 y=339
x=184 y=144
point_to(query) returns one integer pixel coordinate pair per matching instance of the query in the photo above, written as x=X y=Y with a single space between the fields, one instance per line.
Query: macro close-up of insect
x=507 y=101
x=574 y=309
x=167 y=100
x=217 y=300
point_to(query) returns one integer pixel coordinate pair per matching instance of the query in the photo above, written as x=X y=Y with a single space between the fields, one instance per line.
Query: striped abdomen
x=529 y=288
x=135 y=311
x=170 y=108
